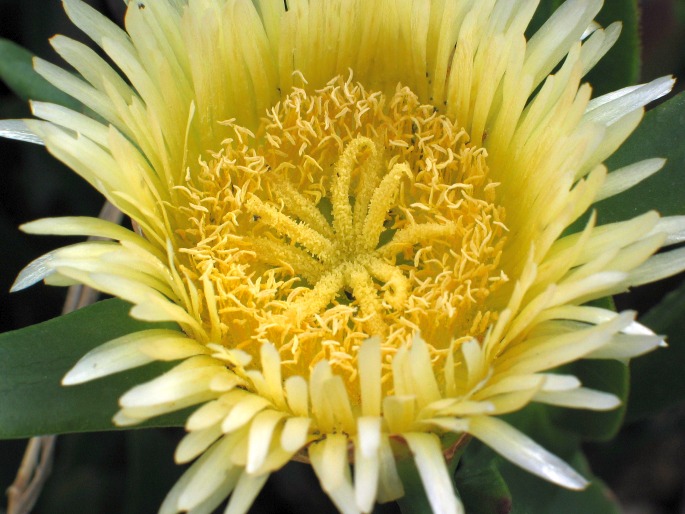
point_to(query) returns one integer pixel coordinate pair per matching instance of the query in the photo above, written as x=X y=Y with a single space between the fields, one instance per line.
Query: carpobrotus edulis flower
x=356 y=213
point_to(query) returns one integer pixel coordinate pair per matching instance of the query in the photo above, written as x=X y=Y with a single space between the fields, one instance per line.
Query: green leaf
x=480 y=482
x=33 y=361
x=658 y=376
x=532 y=495
x=16 y=70
x=151 y=470
x=610 y=376
x=661 y=134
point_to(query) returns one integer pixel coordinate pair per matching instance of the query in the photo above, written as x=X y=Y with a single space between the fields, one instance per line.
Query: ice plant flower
x=356 y=212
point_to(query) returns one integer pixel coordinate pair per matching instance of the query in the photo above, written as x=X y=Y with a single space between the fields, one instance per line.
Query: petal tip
x=73 y=377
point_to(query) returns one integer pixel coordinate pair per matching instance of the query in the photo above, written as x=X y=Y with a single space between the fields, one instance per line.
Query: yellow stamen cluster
x=347 y=215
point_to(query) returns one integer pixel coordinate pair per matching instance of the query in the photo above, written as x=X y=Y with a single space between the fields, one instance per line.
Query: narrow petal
x=184 y=381
x=213 y=412
x=389 y=483
x=173 y=348
x=17 y=129
x=150 y=305
x=546 y=351
x=244 y=412
x=524 y=452
x=624 y=178
x=370 y=376
x=72 y=120
x=338 y=401
x=579 y=398
x=194 y=443
x=294 y=434
x=625 y=346
x=555 y=382
x=171 y=504
x=599 y=44
x=86 y=226
x=261 y=432
x=296 y=389
x=329 y=460
x=320 y=406
x=367 y=462
x=399 y=413
x=434 y=475
x=210 y=473
x=425 y=385
x=118 y=355
x=97 y=26
x=271 y=368
x=37 y=270
x=45 y=265
x=658 y=267
x=508 y=384
x=548 y=46
x=245 y=492
x=627 y=100
x=674 y=227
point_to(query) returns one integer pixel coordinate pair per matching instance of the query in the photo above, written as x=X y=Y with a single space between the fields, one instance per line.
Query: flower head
x=356 y=214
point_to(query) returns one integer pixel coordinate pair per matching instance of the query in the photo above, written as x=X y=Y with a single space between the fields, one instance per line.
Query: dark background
x=131 y=471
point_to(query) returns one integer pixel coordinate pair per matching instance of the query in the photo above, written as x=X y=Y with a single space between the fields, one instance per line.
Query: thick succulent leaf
x=33 y=361
x=151 y=471
x=658 y=376
x=480 y=482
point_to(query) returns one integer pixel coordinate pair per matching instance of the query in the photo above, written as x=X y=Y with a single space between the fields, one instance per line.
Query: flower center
x=346 y=254
x=347 y=215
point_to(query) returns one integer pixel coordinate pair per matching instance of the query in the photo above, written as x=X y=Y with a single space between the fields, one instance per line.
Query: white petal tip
x=564 y=476
x=577 y=484
x=35 y=226
x=17 y=130
x=120 y=419
x=18 y=285
x=611 y=404
x=636 y=328
x=74 y=377
x=33 y=273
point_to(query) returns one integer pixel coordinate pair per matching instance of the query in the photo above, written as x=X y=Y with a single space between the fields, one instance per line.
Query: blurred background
x=132 y=471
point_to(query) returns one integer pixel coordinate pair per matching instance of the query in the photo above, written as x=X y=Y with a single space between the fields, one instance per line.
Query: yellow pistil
x=347 y=215
x=350 y=252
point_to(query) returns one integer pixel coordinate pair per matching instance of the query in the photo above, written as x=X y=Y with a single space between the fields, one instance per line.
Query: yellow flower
x=355 y=211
